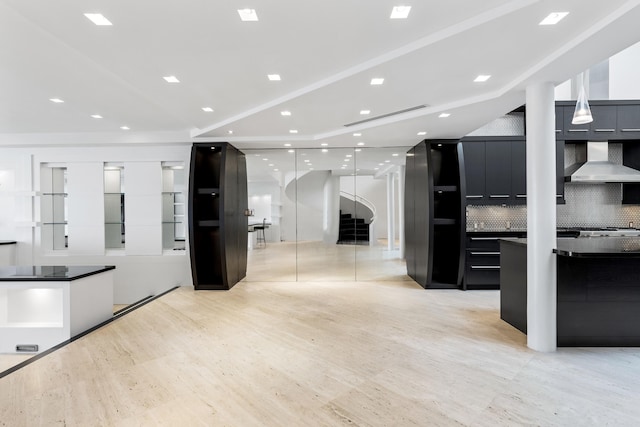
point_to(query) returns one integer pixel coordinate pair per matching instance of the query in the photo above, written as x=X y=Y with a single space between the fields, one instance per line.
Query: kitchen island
x=598 y=289
x=42 y=306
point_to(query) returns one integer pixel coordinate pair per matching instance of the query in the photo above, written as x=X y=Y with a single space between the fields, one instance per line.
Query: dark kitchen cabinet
x=474 y=156
x=482 y=261
x=435 y=222
x=519 y=172
x=628 y=121
x=612 y=120
x=498 y=171
x=217 y=222
x=631 y=158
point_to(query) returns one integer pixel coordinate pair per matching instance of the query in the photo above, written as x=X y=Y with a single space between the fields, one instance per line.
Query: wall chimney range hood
x=597 y=168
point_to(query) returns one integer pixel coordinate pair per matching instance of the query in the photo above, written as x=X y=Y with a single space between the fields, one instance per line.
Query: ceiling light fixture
x=400 y=12
x=357 y=134
x=96 y=116
x=293 y=131
x=287 y=145
x=361 y=143
x=276 y=170
x=553 y=18
x=582 y=113
x=421 y=133
x=377 y=81
x=444 y=115
x=98 y=19
x=230 y=132
x=291 y=151
x=207 y=109
x=357 y=150
x=125 y=127
x=324 y=144
x=395 y=154
x=285 y=113
x=56 y=100
x=324 y=150
x=349 y=155
x=171 y=79
x=482 y=78
x=365 y=112
x=274 y=77
x=248 y=14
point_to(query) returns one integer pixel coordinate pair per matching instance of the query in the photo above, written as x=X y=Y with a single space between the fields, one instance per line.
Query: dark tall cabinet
x=217 y=222
x=434 y=213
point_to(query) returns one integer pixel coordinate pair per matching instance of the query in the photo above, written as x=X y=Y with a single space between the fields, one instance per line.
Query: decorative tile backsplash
x=587 y=205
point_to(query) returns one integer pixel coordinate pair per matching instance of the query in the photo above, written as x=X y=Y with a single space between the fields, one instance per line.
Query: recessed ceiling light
x=291 y=151
x=365 y=112
x=395 y=154
x=347 y=160
x=287 y=145
x=248 y=14
x=375 y=169
x=361 y=143
x=377 y=81
x=324 y=144
x=443 y=115
x=387 y=161
x=400 y=12
x=276 y=170
x=357 y=150
x=324 y=150
x=207 y=109
x=274 y=77
x=553 y=18
x=285 y=113
x=349 y=155
x=482 y=78
x=230 y=132
x=421 y=133
x=357 y=134
x=56 y=100
x=98 y=19
x=265 y=159
x=307 y=160
x=380 y=164
x=125 y=127
x=171 y=79
x=96 y=116
x=293 y=131
x=271 y=164
x=344 y=166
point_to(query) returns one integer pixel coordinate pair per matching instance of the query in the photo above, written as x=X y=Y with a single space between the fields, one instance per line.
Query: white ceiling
x=326 y=52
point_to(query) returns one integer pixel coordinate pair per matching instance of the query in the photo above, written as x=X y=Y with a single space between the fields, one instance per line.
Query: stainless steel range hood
x=598 y=168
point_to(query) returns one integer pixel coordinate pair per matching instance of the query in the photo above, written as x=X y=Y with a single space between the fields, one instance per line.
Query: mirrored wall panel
x=114 y=221
x=173 y=206
x=53 y=207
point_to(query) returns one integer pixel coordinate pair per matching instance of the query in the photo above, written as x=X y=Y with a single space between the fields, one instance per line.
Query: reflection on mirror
x=173 y=207
x=114 y=221
x=53 y=207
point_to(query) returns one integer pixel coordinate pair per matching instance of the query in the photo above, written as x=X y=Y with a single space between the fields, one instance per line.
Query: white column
x=541 y=218
x=331 y=214
x=401 y=170
x=391 y=209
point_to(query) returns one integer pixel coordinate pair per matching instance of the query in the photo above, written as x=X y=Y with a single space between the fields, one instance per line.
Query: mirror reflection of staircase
x=353 y=231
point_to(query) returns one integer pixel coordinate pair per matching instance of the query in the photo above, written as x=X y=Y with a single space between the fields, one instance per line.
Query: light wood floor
x=321 y=354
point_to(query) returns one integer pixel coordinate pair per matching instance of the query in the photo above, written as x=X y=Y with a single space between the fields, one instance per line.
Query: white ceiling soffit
x=326 y=53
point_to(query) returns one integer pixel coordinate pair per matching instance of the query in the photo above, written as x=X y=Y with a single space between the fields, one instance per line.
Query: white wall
x=142 y=270
x=623 y=74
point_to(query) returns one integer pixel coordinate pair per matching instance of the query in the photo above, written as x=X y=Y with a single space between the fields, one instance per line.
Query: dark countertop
x=50 y=273
x=593 y=247
x=8 y=242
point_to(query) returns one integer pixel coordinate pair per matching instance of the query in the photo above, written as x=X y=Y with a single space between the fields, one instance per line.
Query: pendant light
x=582 y=114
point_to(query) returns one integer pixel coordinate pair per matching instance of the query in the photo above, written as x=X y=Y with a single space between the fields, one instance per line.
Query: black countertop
x=50 y=273
x=7 y=242
x=593 y=247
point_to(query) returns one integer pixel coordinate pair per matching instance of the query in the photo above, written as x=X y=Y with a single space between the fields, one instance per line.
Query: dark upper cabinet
x=498 y=171
x=560 y=172
x=572 y=131
x=474 y=155
x=628 y=121
x=559 y=121
x=519 y=172
x=604 y=124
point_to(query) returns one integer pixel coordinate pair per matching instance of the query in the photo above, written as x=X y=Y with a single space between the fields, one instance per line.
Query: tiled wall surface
x=587 y=205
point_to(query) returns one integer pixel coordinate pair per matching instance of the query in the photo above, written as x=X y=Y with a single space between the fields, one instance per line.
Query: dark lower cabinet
x=217 y=222
x=434 y=213
x=482 y=261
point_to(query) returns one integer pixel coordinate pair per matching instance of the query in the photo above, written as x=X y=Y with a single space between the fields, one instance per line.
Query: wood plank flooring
x=321 y=354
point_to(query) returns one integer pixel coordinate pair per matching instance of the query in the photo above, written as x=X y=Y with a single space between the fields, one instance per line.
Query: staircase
x=353 y=231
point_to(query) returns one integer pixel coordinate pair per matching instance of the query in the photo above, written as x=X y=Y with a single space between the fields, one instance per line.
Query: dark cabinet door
x=560 y=172
x=519 y=172
x=498 y=172
x=628 y=123
x=560 y=121
x=572 y=131
x=604 y=123
x=474 y=166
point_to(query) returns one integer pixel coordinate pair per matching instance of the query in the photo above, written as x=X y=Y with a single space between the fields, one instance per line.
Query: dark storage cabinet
x=434 y=213
x=217 y=224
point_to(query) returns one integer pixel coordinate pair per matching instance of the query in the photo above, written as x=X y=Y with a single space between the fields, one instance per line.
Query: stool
x=261 y=237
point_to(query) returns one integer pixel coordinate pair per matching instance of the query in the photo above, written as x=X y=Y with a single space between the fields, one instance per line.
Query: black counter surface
x=50 y=273
x=594 y=247
x=7 y=242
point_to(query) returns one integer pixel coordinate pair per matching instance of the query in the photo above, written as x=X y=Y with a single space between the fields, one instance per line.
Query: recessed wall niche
x=53 y=207
x=114 y=220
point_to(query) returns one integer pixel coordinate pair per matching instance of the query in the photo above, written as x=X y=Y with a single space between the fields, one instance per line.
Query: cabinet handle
x=521 y=196
x=474 y=197
x=558 y=130
x=630 y=130
x=485 y=267
x=578 y=130
x=558 y=195
x=485 y=238
x=498 y=196
x=605 y=130
x=485 y=253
